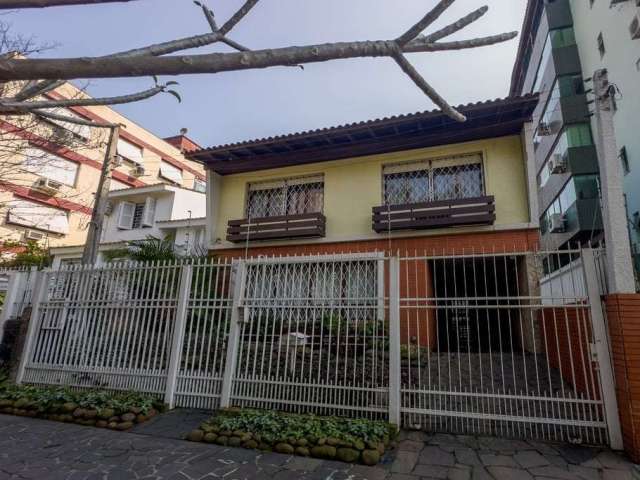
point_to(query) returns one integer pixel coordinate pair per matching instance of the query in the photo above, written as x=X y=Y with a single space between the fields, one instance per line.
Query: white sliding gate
x=477 y=343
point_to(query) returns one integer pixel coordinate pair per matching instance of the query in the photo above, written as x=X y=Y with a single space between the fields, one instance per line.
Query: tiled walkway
x=38 y=449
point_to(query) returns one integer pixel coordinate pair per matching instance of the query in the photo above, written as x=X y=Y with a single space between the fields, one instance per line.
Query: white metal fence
x=468 y=343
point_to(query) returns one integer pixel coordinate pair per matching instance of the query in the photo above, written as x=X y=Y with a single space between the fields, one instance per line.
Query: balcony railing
x=304 y=225
x=436 y=214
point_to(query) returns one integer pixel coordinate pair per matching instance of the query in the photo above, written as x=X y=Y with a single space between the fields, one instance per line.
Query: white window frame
x=149 y=214
x=81 y=131
x=26 y=213
x=125 y=218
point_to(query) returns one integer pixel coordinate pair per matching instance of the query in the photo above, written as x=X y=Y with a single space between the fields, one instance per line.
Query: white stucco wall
x=622 y=61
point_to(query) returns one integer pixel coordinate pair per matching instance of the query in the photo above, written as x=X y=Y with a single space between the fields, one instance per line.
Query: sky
x=230 y=107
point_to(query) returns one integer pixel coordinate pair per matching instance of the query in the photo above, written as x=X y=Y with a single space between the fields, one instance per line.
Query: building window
x=426 y=181
x=82 y=132
x=601 y=48
x=559 y=38
x=624 y=158
x=132 y=216
x=130 y=152
x=572 y=136
x=199 y=185
x=170 y=172
x=35 y=215
x=292 y=196
x=51 y=166
x=580 y=187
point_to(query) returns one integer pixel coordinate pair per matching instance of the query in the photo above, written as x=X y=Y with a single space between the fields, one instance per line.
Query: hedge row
x=334 y=438
x=98 y=408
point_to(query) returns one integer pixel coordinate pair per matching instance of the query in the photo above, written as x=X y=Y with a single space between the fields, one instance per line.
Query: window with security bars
x=434 y=180
x=285 y=197
x=350 y=288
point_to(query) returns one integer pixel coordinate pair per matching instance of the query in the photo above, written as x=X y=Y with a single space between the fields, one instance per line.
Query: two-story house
x=412 y=184
x=412 y=181
x=49 y=170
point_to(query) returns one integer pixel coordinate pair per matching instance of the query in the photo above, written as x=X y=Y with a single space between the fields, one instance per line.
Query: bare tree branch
x=38 y=88
x=214 y=28
x=11 y=4
x=427 y=20
x=407 y=68
x=239 y=15
x=77 y=121
x=419 y=45
x=113 y=67
x=13 y=107
x=456 y=26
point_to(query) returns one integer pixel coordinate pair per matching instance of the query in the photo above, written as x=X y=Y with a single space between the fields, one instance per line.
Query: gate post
x=14 y=287
x=177 y=338
x=233 y=340
x=602 y=349
x=40 y=290
x=394 y=341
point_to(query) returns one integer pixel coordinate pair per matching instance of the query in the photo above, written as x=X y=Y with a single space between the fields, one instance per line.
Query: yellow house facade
x=391 y=196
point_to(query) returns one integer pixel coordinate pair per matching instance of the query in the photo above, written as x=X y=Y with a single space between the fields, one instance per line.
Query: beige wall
x=82 y=193
x=353 y=186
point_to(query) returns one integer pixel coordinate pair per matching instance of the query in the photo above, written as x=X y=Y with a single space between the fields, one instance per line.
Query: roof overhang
x=182 y=223
x=146 y=190
x=490 y=119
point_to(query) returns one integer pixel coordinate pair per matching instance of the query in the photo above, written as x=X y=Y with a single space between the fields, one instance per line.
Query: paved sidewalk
x=39 y=449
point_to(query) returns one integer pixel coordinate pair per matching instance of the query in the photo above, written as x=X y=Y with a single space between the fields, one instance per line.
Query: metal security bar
x=206 y=328
x=489 y=345
x=313 y=336
x=108 y=328
x=512 y=344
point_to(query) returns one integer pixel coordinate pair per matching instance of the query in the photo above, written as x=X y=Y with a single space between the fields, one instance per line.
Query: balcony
x=306 y=225
x=436 y=214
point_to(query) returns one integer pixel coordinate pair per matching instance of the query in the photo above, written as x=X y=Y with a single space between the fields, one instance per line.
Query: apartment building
x=51 y=170
x=572 y=51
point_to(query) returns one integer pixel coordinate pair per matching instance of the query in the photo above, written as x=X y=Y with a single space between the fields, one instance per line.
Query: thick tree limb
x=456 y=26
x=427 y=20
x=220 y=62
x=407 y=68
x=11 y=107
x=12 y=4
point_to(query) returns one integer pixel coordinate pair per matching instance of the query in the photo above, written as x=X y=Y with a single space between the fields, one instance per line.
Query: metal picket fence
x=489 y=343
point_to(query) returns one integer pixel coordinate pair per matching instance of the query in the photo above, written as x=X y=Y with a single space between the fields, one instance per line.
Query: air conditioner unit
x=117 y=160
x=634 y=28
x=544 y=129
x=33 y=235
x=138 y=170
x=46 y=185
x=556 y=223
x=557 y=164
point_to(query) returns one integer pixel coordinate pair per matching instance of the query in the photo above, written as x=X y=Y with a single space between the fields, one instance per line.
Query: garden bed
x=333 y=438
x=99 y=408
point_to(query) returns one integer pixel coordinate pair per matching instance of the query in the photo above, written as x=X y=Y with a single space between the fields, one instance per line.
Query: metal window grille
x=137 y=216
x=286 y=197
x=426 y=182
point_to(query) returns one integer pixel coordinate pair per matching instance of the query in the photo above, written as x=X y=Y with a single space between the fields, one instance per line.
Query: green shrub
x=45 y=398
x=273 y=426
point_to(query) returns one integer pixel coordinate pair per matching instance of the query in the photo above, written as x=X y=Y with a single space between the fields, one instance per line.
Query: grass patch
x=349 y=440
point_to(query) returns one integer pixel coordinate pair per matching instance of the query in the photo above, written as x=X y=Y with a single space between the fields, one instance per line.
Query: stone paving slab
x=39 y=449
